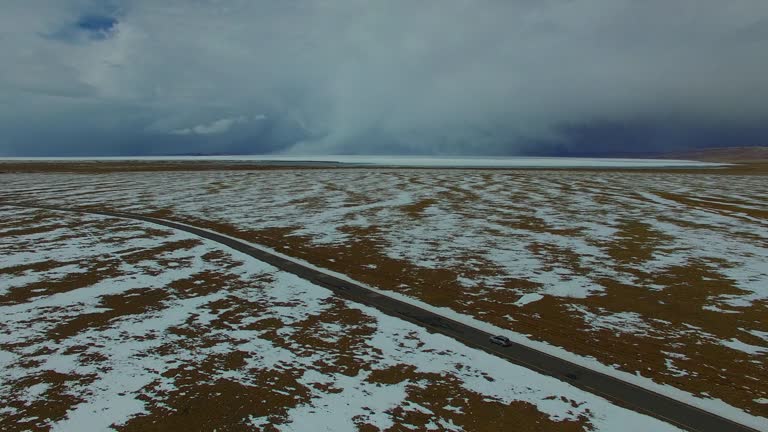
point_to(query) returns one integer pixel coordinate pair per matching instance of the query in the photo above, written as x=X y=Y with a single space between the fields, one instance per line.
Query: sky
x=446 y=77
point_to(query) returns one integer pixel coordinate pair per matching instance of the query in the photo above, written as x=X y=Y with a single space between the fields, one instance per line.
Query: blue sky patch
x=93 y=27
x=96 y=26
x=96 y=23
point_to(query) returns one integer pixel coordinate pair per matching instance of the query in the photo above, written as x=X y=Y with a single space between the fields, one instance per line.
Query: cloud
x=216 y=127
x=434 y=76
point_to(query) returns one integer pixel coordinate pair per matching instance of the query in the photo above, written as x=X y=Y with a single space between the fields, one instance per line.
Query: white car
x=501 y=340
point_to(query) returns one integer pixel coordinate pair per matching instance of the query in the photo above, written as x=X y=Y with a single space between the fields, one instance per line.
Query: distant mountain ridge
x=722 y=154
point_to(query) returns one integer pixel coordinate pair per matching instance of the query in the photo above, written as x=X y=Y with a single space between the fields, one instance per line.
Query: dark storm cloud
x=396 y=76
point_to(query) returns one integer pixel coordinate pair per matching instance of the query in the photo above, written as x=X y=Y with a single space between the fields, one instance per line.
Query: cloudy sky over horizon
x=381 y=76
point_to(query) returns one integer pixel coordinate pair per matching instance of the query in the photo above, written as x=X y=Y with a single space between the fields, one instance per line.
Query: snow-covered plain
x=117 y=324
x=662 y=276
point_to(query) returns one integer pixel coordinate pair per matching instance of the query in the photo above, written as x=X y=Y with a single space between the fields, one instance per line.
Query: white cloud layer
x=432 y=75
x=216 y=127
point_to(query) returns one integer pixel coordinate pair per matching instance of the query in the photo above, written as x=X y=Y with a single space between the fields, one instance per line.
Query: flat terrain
x=661 y=274
x=108 y=322
x=728 y=166
x=744 y=155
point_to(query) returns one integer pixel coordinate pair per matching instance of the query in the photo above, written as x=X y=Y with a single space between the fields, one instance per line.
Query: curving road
x=620 y=392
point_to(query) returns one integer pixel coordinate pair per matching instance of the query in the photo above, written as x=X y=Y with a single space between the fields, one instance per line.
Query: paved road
x=613 y=389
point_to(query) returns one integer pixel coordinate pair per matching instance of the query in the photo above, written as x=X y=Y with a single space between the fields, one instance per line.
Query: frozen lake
x=412 y=161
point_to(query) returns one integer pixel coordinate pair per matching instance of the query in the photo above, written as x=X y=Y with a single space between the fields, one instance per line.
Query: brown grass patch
x=444 y=396
x=94 y=272
x=56 y=400
x=717 y=207
x=222 y=405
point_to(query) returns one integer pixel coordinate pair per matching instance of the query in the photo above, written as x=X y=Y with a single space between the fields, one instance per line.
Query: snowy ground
x=111 y=323
x=659 y=275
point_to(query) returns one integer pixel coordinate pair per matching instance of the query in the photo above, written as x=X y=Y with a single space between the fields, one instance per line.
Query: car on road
x=501 y=340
